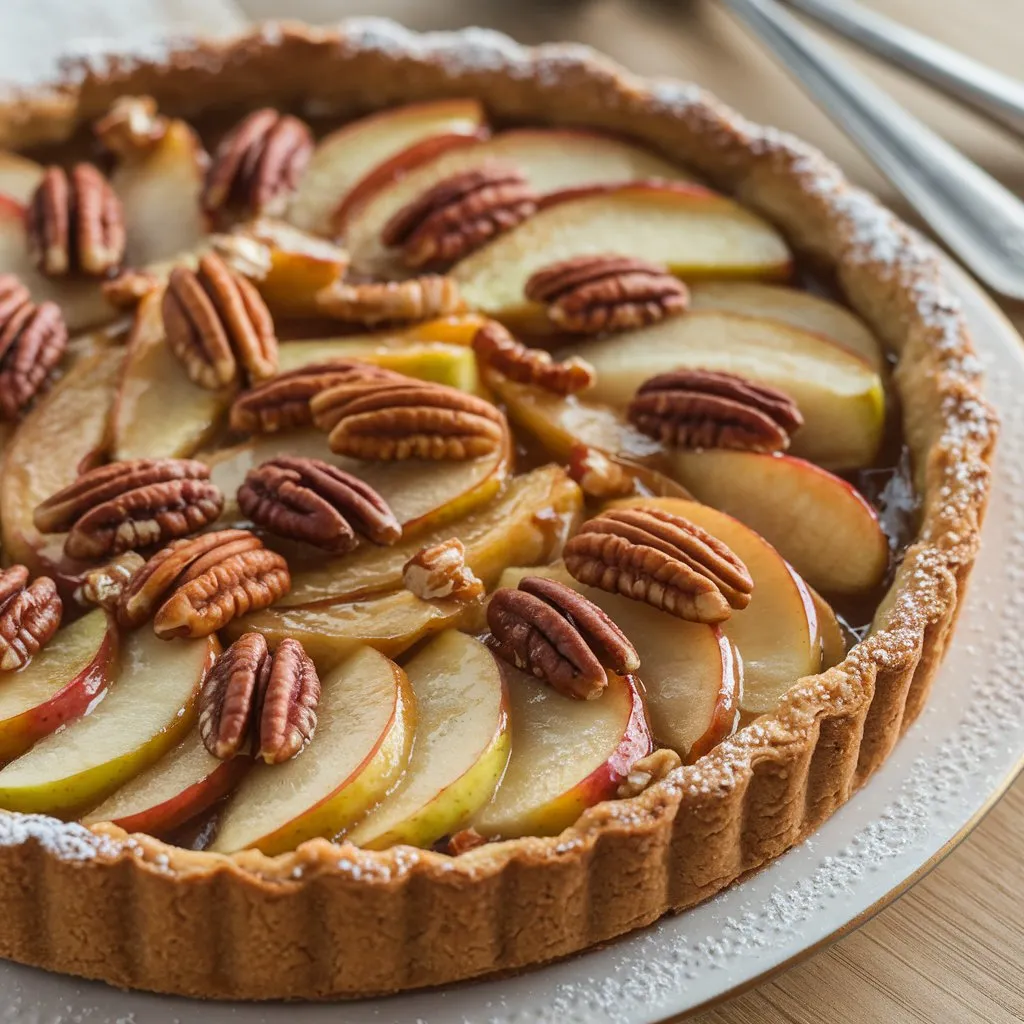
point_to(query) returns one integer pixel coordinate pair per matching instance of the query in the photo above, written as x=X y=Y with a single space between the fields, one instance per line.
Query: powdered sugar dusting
x=68 y=841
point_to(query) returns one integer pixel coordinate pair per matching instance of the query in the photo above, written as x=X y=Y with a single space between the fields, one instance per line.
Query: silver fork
x=977 y=217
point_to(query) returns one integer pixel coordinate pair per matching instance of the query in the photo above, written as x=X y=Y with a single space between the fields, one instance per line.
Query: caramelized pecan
x=592 y=294
x=381 y=302
x=313 y=501
x=661 y=558
x=282 y=403
x=495 y=347
x=198 y=584
x=556 y=634
x=30 y=614
x=287 y=705
x=127 y=505
x=711 y=409
x=33 y=341
x=129 y=288
x=461 y=213
x=131 y=126
x=258 y=164
x=440 y=571
x=463 y=841
x=104 y=585
x=401 y=418
x=599 y=476
x=14 y=297
x=230 y=696
x=216 y=323
x=75 y=223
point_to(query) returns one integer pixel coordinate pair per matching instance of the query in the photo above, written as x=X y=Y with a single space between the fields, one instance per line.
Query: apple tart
x=459 y=503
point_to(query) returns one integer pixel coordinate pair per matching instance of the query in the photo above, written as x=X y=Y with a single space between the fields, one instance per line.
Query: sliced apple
x=19 y=176
x=365 y=723
x=567 y=755
x=816 y=520
x=527 y=524
x=794 y=307
x=461 y=748
x=159 y=190
x=66 y=430
x=185 y=782
x=331 y=632
x=134 y=724
x=553 y=160
x=58 y=684
x=374 y=150
x=833 y=638
x=80 y=299
x=154 y=381
x=841 y=397
x=421 y=494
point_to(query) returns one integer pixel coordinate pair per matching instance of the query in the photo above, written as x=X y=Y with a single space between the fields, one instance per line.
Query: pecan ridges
x=495 y=347
x=440 y=571
x=128 y=505
x=712 y=409
x=258 y=164
x=461 y=213
x=287 y=705
x=33 y=340
x=229 y=697
x=313 y=501
x=218 y=325
x=595 y=294
x=558 y=635
x=401 y=418
x=390 y=302
x=30 y=614
x=655 y=556
x=75 y=223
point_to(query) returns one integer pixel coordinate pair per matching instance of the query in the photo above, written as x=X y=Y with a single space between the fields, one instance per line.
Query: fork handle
x=978 y=218
x=997 y=96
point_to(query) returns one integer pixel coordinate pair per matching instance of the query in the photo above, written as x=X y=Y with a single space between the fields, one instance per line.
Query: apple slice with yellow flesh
x=833 y=639
x=791 y=306
x=378 y=147
x=134 y=724
x=691 y=230
x=526 y=524
x=461 y=748
x=19 y=176
x=422 y=494
x=391 y=623
x=816 y=520
x=183 y=783
x=58 y=684
x=567 y=755
x=365 y=723
x=154 y=381
x=65 y=430
x=841 y=397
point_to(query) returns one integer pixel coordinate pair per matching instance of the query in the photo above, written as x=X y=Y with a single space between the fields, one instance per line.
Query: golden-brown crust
x=332 y=921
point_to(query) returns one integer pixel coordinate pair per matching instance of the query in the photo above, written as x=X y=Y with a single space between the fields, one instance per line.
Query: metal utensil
x=997 y=96
x=978 y=218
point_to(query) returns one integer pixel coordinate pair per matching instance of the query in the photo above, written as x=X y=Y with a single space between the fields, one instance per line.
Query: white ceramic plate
x=962 y=753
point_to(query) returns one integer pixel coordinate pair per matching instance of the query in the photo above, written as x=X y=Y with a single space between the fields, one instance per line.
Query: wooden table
x=952 y=949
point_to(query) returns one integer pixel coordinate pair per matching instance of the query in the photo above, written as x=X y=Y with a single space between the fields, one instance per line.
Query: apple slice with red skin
x=365 y=724
x=19 y=176
x=553 y=160
x=367 y=154
x=567 y=755
x=59 y=684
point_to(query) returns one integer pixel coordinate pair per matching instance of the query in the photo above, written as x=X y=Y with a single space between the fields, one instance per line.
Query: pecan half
x=230 y=696
x=288 y=701
x=199 y=584
x=30 y=614
x=313 y=501
x=495 y=347
x=282 y=403
x=558 y=635
x=592 y=294
x=104 y=585
x=661 y=558
x=127 y=505
x=33 y=341
x=401 y=418
x=599 y=476
x=258 y=164
x=131 y=126
x=129 y=288
x=75 y=223
x=463 y=841
x=711 y=409
x=647 y=771
x=440 y=571
x=217 y=323
x=384 y=302
x=461 y=213
x=14 y=297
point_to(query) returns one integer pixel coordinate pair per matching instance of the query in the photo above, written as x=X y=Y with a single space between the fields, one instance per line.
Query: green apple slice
x=461 y=748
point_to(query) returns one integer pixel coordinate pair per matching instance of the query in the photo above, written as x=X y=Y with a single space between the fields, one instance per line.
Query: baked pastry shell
x=330 y=921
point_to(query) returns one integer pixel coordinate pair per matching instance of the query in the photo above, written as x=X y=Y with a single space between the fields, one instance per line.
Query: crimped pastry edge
x=330 y=921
